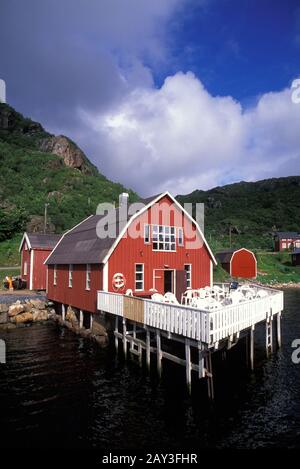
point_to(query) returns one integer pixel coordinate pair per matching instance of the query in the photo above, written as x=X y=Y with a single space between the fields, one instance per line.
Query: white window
x=188 y=269
x=25 y=268
x=139 y=276
x=26 y=248
x=55 y=275
x=163 y=238
x=88 y=277
x=180 y=236
x=70 y=275
x=147 y=234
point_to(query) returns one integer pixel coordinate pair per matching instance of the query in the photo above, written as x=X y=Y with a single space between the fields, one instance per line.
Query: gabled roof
x=287 y=234
x=81 y=245
x=40 y=240
x=225 y=255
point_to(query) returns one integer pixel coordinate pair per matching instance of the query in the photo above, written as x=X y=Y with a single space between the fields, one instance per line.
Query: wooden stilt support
x=158 y=351
x=91 y=321
x=252 y=347
x=269 y=335
x=201 y=366
x=116 y=333
x=279 y=329
x=209 y=374
x=140 y=352
x=188 y=366
x=124 y=338
x=148 y=351
x=134 y=336
x=81 y=319
x=63 y=312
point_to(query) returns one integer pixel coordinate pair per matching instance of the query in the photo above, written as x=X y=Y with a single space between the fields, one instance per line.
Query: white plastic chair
x=129 y=292
x=170 y=298
x=157 y=297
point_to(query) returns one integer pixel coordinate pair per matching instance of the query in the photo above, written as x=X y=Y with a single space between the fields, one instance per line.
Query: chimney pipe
x=123 y=199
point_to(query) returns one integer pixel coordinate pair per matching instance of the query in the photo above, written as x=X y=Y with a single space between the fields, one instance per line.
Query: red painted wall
x=128 y=252
x=131 y=251
x=76 y=296
x=284 y=244
x=39 y=272
x=243 y=264
x=25 y=257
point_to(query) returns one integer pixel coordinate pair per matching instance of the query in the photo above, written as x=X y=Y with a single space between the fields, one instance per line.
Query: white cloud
x=181 y=138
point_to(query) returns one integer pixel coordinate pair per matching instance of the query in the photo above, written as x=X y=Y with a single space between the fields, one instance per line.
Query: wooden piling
x=209 y=374
x=279 y=329
x=124 y=338
x=116 y=332
x=148 y=351
x=81 y=319
x=252 y=347
x=63 y=312
x=159 y=353
x=188 y=366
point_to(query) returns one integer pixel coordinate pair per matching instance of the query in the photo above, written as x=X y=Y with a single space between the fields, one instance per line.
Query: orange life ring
x=118 y=281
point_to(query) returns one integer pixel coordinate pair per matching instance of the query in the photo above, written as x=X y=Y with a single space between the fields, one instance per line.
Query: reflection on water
x=60 y=390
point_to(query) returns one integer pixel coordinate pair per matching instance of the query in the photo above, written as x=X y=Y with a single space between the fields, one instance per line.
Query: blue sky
x=164 y=95
x=243 y=48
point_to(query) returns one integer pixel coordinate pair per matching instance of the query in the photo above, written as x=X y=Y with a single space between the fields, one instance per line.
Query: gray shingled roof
x=225 y=256
x=43 y=241
x=287 y=234
x=81 y=245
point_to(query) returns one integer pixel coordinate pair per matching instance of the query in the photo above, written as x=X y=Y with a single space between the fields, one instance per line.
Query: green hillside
x=31 y=177
x=250 y=210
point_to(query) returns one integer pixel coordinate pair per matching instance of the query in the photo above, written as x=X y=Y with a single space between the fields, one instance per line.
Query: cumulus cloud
x=179 y=137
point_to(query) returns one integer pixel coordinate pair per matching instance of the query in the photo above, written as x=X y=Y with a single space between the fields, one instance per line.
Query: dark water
x=58 y=390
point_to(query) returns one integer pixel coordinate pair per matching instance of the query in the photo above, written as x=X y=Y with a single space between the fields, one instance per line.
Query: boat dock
x=143 y=322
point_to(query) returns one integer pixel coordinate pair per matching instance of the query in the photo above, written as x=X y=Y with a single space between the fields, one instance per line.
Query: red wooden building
x=34 y=249
x=238 y=262
x=159 y=248
x=286 y=240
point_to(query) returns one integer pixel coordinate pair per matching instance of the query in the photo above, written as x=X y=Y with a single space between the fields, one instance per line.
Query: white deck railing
x=208 y=327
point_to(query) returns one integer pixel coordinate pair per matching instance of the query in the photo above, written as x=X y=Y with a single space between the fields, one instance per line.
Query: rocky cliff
x=13 y=123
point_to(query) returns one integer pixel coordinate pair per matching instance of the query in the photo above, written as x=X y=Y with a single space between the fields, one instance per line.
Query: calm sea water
x=58 y=390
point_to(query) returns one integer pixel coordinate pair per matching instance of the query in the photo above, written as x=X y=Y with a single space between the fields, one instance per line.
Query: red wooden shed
x=238 y=262
x=158 y=248
x=34 y=249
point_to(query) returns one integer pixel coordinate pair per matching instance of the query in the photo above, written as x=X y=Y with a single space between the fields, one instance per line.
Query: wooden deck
x=207 y=327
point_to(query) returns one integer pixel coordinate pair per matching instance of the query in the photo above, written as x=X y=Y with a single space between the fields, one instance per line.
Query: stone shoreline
x=21 y=314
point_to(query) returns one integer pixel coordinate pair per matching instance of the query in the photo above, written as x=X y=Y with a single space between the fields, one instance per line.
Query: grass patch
x=277 y=268
x=9 y=252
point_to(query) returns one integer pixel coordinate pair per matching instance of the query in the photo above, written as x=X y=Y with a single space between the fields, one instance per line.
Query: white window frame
x=188 y=275
x=88 y=277
x=162 y=230
x=143 y=277
x=25 y=269
x=55 y=275
x=70 y=275
x=146 y=226
x=180 y=236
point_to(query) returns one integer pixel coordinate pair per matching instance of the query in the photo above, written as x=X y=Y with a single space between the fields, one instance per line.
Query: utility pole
x=45 y=218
